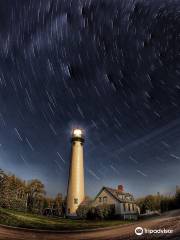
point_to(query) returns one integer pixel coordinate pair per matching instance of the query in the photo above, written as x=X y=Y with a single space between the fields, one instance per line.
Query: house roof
x=117 y=195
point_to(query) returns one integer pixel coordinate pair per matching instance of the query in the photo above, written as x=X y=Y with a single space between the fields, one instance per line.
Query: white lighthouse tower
x=75 y=192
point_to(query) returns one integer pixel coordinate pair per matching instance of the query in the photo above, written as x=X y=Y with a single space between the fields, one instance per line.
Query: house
x=124 y=204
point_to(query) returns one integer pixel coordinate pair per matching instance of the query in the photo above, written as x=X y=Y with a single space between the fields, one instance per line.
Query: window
x=129 y=207
x=100 y=199
x=124 y=206
x=68 y=210
x=105 y=199
x=75 y=200
x=120 y=196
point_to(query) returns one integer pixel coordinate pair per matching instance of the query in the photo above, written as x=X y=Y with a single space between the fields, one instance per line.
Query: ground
x=27 y=220
x=169 y=220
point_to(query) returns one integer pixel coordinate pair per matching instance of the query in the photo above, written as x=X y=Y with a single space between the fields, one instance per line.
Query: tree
x=34 y=190
x=3 y=189
x=12 y=191
x=149 y=203
x=177 y=197
x=21 y=195
x=58 y=204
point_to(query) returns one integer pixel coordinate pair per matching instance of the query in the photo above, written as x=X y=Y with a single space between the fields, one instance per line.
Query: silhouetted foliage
x=161 y=203
x=83 y=211
x=28 y=196
x=167 y=204
x=104 y=211
x=177 y=197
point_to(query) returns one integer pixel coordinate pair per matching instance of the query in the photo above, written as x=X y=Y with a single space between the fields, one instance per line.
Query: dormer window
x=105 y=199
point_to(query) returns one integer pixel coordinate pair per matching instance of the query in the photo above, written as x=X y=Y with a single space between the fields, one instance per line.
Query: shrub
x=92 y=213
x=104 y=211
x=82 y=211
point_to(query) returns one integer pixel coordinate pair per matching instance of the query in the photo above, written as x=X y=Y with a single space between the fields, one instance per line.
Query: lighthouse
x=75 y=191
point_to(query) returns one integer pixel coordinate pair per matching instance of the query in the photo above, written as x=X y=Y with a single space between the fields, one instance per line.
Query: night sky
x=110 y=67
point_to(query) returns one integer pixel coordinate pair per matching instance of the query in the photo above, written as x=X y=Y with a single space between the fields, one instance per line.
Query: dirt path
x=122 y=233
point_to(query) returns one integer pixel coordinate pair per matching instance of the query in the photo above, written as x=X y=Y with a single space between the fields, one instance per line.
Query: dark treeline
x=28 y=196
x=160 y=203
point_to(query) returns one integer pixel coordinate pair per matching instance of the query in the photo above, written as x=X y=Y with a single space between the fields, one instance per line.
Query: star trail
x=111 y=68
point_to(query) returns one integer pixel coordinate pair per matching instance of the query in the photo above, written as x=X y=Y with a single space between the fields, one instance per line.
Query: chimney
x=120 y=188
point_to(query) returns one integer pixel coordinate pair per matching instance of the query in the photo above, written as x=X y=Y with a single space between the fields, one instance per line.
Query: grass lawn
x=27 y=220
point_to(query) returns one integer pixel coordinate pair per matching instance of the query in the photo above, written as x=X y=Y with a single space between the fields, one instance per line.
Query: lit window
x=76 y=201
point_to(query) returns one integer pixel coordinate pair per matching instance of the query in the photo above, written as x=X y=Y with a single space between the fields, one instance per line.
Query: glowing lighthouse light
x=77 y=132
